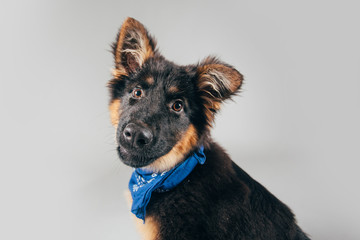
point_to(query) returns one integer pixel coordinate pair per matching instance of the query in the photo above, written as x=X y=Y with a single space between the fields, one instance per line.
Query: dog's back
x=220 y=201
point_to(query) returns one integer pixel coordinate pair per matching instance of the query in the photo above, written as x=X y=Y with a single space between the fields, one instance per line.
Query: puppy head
x=162 y=111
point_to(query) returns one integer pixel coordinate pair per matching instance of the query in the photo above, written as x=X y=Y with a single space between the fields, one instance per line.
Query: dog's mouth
x=136 y=159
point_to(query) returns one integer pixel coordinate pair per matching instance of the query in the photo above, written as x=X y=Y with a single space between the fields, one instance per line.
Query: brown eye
x=137 y=93
x=177 y=106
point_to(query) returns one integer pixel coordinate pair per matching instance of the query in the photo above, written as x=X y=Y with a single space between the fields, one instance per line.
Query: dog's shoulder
x=219 y=200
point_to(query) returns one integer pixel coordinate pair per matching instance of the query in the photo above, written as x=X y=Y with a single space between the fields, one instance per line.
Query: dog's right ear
x=133 y=46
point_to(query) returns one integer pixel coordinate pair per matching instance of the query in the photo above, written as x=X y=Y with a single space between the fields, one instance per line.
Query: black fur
x=218 y=200
x=154 y=110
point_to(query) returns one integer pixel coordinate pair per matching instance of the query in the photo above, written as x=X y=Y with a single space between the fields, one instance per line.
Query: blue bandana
x=143 y=183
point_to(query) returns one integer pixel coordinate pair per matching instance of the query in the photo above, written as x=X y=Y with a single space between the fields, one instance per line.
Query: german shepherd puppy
x=162 y=113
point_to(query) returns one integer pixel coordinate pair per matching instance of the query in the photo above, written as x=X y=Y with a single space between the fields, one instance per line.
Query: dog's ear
x=216 y=82
x=133 y=46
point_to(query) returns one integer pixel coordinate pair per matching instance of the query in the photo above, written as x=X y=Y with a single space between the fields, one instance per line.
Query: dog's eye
x=137 y=93
x=177 y=106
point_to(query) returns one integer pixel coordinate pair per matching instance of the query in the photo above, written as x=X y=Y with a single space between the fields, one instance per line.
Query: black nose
x=137 y=136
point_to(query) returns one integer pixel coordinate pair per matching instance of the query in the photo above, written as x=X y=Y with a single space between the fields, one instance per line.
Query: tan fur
x=118 y=72
x=150 y=229
x=227 y=78
x=177 y=154
x=219 y=78
x=132 y=29
x=173 y=89
x=150 y=80
x=114 y=109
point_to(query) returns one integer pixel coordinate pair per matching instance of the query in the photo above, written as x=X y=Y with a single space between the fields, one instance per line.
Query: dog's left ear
x=133 y=46
x=216 y=82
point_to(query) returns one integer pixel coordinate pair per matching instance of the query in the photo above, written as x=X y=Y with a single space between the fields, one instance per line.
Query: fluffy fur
x=162 y=112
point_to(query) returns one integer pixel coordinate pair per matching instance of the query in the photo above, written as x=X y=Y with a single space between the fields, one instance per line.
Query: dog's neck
x=143 y=183
x=189 y=143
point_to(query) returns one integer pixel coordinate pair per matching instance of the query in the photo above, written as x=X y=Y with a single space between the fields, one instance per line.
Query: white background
x=295 y=126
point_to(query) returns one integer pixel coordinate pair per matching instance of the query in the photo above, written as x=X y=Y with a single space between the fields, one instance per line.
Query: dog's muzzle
x=136 y=136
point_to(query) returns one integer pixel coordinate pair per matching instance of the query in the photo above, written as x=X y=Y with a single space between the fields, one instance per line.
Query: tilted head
x=162 y=111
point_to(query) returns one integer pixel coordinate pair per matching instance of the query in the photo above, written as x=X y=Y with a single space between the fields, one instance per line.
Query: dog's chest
x=150 y=229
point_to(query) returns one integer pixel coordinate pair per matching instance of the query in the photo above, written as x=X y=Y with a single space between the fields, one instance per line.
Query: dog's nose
x=137 y=136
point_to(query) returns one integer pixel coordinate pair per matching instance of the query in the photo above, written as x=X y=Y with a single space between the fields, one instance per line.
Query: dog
x=184 y=185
